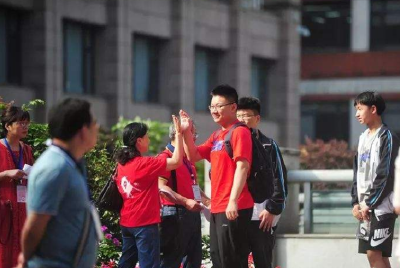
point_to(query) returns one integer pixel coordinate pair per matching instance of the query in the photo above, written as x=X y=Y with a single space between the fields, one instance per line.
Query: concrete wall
x=327 y=251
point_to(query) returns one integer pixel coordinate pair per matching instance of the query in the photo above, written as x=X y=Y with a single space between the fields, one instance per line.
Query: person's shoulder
x=50 y=161
x=387 y=133
x=242 y=129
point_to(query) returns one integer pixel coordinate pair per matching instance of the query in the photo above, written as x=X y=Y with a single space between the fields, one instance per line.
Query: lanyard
x=80 y=166
x=187 y=164
x=18 y=164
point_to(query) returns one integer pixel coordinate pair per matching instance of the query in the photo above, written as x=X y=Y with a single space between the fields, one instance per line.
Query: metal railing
x=307 y=177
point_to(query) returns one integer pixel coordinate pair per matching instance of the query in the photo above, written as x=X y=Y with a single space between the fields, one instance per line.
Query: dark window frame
x=13 y=64
x=155 y=46
x=337 y=38
x=213 y=57
x=88 y=60
x=382 y=35
x=264 y=66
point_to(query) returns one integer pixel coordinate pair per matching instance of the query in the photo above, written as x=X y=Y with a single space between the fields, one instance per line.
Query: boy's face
x=365 y=114
x=248 y=117
x=222 y=110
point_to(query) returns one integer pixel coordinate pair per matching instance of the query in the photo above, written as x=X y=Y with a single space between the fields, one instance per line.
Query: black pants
x=180 y=232
x=261 y=245
x=229 y=241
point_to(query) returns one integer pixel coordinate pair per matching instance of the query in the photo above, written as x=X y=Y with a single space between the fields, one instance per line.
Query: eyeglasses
x=219 y=106
x=245 y=116
x=23 y=124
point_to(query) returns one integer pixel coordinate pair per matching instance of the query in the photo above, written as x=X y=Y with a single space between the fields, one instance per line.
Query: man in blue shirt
x=60 y=230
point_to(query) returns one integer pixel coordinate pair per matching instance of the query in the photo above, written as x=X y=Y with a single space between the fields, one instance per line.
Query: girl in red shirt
x=14 y=154
x=137 y=182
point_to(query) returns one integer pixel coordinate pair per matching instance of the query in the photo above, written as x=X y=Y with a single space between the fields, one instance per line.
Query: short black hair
x=250 y=103
x=370 y=98
x=227 y=92
x=68 y=117
x=12 y=114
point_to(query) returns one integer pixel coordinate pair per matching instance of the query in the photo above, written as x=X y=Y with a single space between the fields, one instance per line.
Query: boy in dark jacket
x=265 y=215
x=372 y=191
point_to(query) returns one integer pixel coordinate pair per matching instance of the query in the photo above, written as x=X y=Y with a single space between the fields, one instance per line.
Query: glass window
x=391 y=116
x=259 y=82
x=325 y=120
x=385 y=24
x=10 y=47
x=146 y=69
x=78 y=58
x=206 y=76
x=327 y=25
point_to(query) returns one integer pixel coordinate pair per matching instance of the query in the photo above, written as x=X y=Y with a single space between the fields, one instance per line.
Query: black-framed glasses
x=23 y=124
x=219 y=106
x=244 y=116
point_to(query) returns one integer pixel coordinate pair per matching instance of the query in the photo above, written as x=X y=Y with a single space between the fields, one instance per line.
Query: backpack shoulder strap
x=227 y=139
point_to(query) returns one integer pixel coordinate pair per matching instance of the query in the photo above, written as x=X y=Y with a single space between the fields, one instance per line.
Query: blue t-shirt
x=58 y=188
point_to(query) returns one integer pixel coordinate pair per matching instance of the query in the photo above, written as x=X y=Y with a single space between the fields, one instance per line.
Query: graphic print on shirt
x=364 y=159
x=127 y=187
x=217 y=146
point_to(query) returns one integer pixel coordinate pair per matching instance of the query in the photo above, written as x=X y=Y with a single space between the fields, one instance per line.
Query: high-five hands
x=186 y=121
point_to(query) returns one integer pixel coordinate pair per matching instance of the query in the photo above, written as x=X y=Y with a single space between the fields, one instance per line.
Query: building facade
x=149 y=58
x=348 y=46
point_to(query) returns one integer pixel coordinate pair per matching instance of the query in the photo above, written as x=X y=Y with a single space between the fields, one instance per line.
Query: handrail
x=320 y=175
x=307 y=177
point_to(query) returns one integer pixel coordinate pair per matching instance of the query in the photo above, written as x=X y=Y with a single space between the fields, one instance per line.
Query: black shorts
x=381 y=235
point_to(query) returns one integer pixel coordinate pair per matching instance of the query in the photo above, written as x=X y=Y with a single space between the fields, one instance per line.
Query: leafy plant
x=33 y=103
x=157 y=132
x=333 y=154
x=37 y=136
x=109 y=249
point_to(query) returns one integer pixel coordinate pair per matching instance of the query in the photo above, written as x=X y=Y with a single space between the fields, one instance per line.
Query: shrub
x=333 y=154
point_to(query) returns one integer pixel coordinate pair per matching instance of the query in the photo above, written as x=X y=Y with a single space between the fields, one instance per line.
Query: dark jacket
x=276 y=204
x=380 y=184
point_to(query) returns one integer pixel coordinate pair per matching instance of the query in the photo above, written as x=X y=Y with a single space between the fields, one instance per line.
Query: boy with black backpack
x=231 y=201
x=266 y=214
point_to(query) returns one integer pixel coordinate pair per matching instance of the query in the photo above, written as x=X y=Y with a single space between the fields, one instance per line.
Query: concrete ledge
x=316 y=251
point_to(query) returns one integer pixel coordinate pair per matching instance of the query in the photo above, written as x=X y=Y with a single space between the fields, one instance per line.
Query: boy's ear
x=374 y=110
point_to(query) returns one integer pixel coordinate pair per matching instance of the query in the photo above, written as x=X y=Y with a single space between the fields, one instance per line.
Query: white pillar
x=360 y=25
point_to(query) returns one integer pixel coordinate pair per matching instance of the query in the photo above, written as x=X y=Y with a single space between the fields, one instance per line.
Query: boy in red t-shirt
x=231 y=202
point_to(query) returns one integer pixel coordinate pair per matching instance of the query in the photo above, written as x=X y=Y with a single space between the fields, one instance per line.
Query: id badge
x=196 y=192
x=21 y=193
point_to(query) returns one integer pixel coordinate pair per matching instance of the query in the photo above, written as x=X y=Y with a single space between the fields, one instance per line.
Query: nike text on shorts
x=381 y=235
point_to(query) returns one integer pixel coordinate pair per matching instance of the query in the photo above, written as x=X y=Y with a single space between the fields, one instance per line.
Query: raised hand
x=186 y=121
x=177 y=124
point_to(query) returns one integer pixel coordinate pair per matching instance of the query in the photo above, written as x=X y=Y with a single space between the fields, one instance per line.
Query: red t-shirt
x=223 y=167
x=184 y=179
x=137 y=182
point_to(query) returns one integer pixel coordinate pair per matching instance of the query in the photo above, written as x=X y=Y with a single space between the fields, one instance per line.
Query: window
x=385 y=24
x=259 y=82
x=325 y=120
x=326 y=26
x=206 y=76
x=78 y=58
x=391 y=116
x=146 y=69
x=10 y=47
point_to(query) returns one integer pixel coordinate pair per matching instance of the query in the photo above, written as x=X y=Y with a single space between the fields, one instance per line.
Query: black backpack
x=261 y=179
